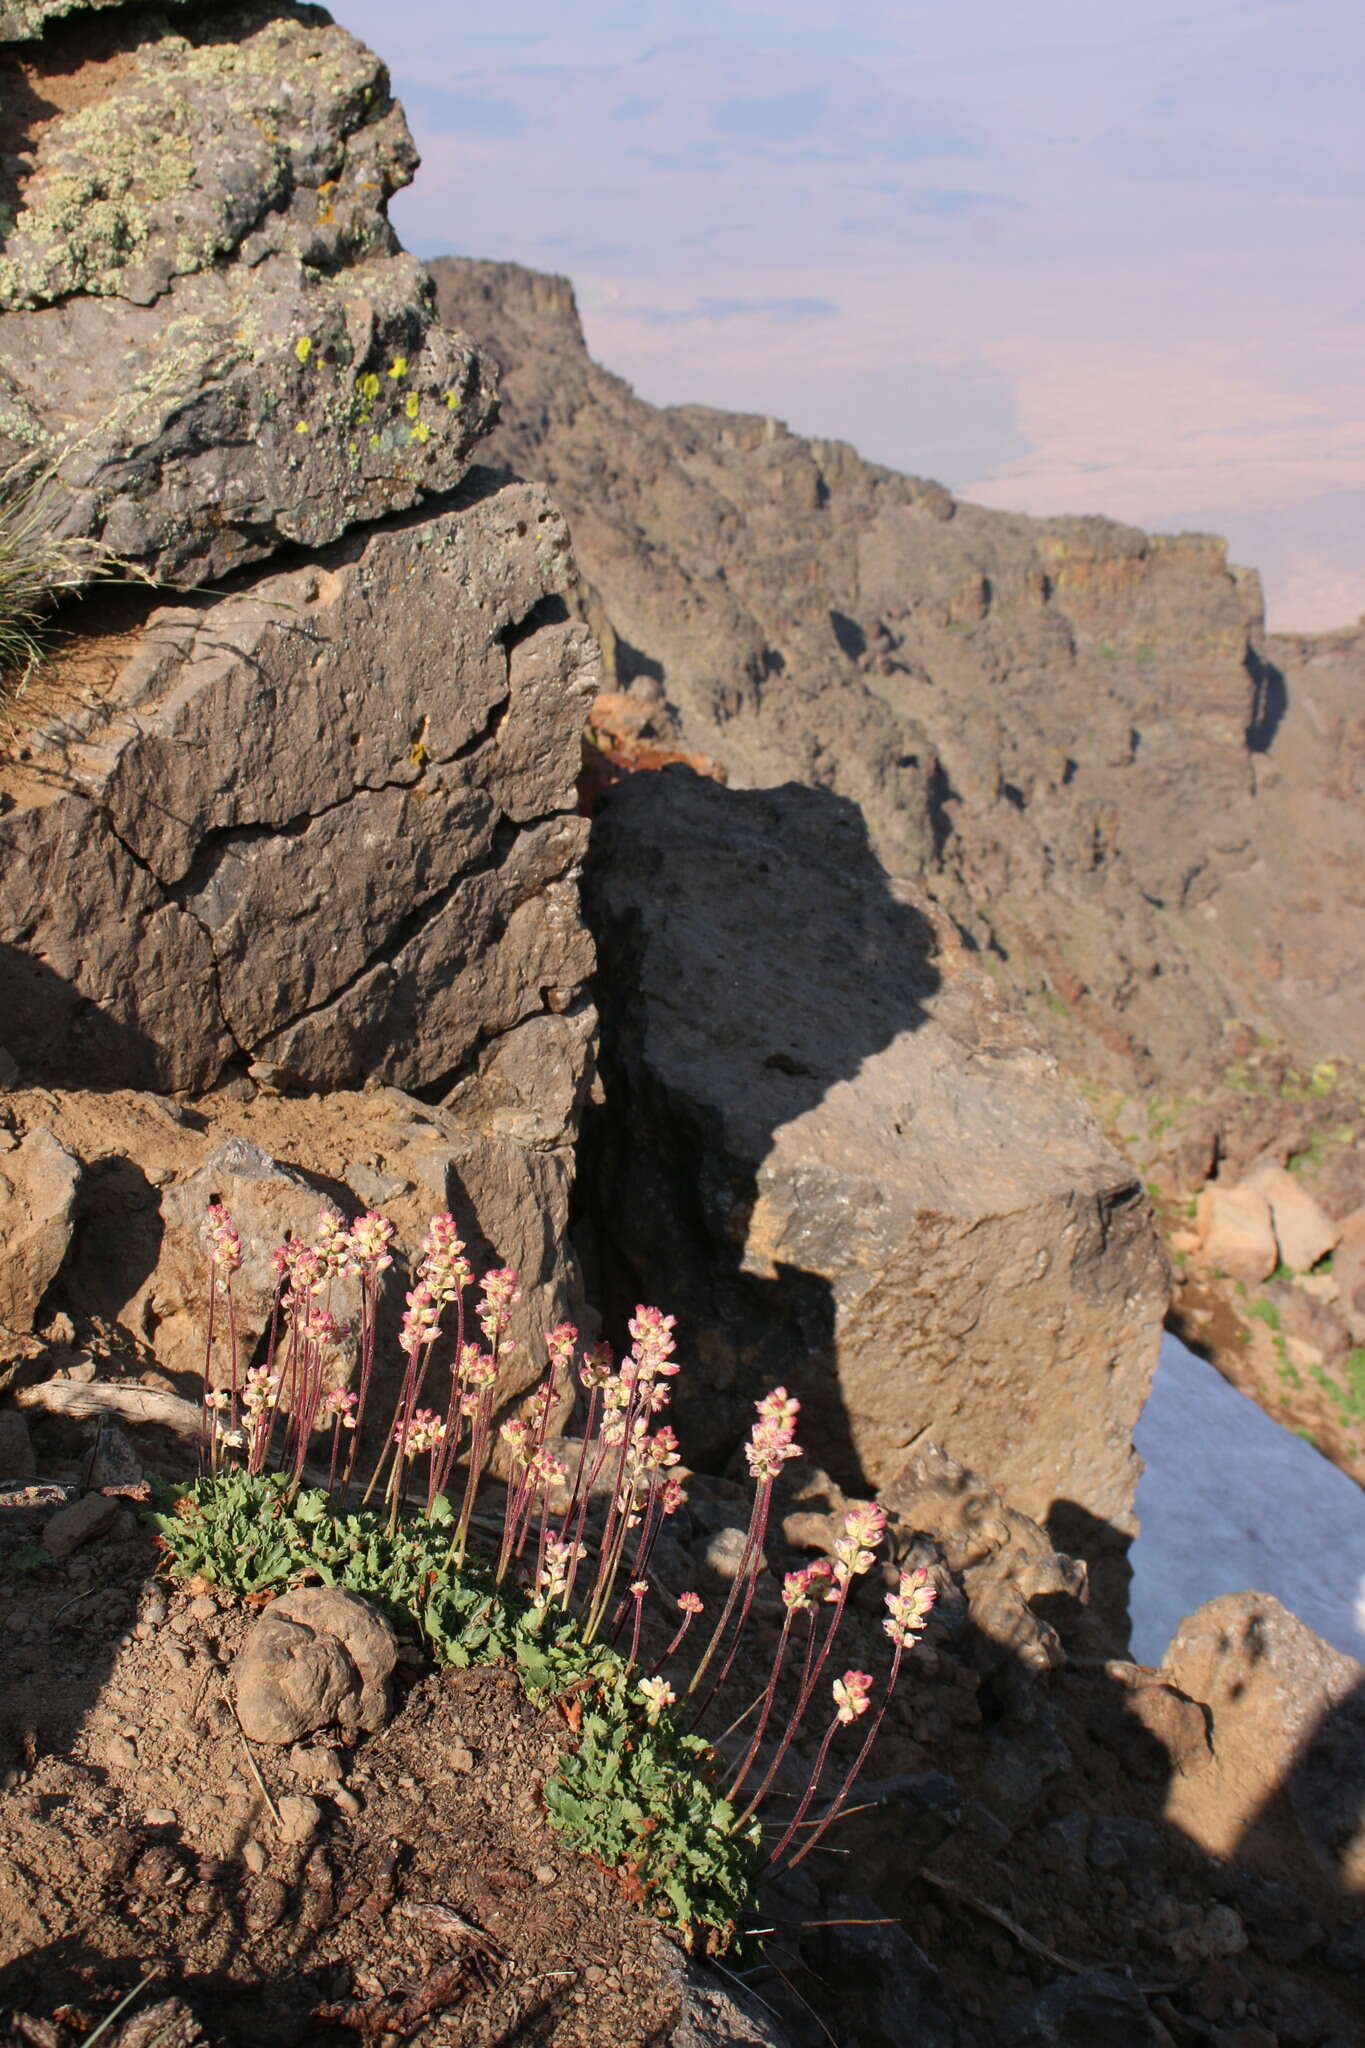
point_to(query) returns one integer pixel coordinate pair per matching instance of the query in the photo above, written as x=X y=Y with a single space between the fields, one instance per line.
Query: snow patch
x=1231 y=1503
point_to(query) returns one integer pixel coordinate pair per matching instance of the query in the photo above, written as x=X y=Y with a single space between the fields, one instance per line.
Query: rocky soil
x=1012 y=1868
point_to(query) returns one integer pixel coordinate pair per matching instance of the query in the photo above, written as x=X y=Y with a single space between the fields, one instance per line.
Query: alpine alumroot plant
x=563 y=1587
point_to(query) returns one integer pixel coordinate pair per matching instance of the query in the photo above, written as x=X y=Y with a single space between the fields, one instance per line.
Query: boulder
x=1237 y=1232
x=316 y=1657
x=38 y=1182
x=267 y=1203
x=1286 y=1791
x=845 y=1166
x=325 y=825
x=1003 y=1559
x=1304 y=1231
x=1092 y=2009
x=208 y=324
x=1348 y=1270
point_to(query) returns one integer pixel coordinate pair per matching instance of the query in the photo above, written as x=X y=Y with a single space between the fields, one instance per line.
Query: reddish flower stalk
x=796 y=1599
x=690 y=1605
x=747 y=1577
x=371 y=1236
x=862 y=1526
x=637 y=1594
x=850 y=1700
x=772 y=1441
x=908 y=1610
x=225 y=1256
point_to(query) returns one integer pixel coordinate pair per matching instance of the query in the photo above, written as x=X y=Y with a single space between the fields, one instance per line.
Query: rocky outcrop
x=1075 y=734
x=846 y=1166
x=1287 y=1790
x=211 y=335
x=318 y=832
x=133 y=1283
x=324 y=826
x=38 y=1182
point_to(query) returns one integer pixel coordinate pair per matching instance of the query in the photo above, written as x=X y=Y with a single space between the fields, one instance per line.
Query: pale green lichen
x=147 y=183
x=22 y=20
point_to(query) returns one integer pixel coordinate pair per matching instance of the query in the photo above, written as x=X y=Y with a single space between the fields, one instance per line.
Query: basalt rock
x=1286 y=1792
x=38 y=1182
x=1146 y=812
x=210 y=335
x=845 y=1166
x=325 y=826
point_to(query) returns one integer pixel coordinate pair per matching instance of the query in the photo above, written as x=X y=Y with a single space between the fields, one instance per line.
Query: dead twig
x=1001 y=1919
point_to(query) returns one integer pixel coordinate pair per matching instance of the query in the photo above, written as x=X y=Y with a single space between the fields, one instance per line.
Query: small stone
x=254 y=1857
x=321 y=1765
x=300 y=1818
x=160 y=1817
x=60 y=1331
x=81 y=1521
x=347 y=1802
x=116 y=1462
x=372 y=1187
x=119 y=1753
x=317 y=1656
x=1237 y=1232
x=724 y=1551
x=545 y=1873
x=458 y=1757
x=202 y=1608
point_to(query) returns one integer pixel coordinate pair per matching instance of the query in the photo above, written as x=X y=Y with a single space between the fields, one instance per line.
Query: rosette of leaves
x=639 y=1800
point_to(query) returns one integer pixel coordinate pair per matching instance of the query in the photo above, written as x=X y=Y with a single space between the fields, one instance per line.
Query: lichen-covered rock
x=209 y=330
x=38 y=1182
x=846 y=1166
x=24 y=20
x=326 y=826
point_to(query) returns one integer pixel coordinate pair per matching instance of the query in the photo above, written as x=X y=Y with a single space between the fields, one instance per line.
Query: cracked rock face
x=846 y=1167
x=209 y=328
x=326 y=825
x=38 y=1183
x=1145 y=811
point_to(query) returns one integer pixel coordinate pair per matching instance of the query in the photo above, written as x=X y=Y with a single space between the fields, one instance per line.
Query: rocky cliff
x=318 y=827
x=289 y=911
x=1143 y=812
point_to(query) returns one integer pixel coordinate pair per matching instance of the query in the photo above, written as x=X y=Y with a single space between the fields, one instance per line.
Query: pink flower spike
x=851 y=1694
x=657 y=1694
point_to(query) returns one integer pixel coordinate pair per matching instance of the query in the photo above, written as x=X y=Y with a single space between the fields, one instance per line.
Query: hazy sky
x=1090 y=258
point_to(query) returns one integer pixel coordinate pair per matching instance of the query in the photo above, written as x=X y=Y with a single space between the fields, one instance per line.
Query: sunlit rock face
x=1145 y=812
x=846 y=1166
